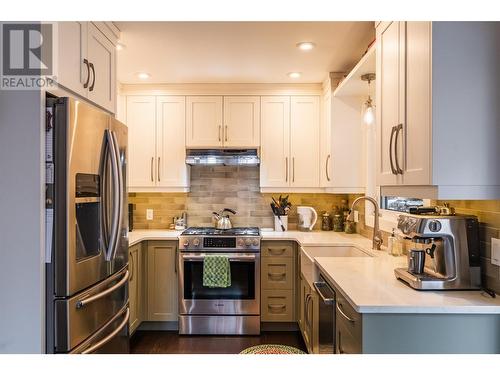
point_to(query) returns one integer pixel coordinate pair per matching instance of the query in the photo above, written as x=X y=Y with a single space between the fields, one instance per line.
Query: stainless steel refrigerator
x=87 y=230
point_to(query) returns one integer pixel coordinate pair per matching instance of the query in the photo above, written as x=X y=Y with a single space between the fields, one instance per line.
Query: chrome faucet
x=377 y=236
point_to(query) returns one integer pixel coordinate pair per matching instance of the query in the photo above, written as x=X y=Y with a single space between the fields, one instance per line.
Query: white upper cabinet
x=390 y=52
x=141 y=123
x=204 y=128
x=241 y=121
x=72 y=50
x=171 y=167
x=275 y=141
x=87 y=63
x=304 y=141
x=326 y=161
x=216 y=121
x=157 y=155
x=102 y=60
x=444 y=104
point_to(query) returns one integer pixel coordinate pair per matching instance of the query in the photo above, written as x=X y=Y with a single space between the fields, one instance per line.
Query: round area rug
x=272 y=349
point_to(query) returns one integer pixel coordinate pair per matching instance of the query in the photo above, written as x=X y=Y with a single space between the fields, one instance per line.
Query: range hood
x=222 y=157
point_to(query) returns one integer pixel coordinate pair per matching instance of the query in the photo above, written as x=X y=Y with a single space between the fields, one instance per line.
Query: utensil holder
x=277 y=224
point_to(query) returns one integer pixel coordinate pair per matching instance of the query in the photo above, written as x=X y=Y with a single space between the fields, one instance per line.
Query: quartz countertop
x=368 y=283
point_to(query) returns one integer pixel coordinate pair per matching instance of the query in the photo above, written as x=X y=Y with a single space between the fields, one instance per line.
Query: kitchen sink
x=308 y=253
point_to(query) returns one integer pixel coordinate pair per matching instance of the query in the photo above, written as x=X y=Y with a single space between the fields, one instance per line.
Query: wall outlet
x=356 y=216
x=495 y=251
x=149 y=214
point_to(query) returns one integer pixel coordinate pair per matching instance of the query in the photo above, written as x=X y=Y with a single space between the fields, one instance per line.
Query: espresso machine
x=444 y=254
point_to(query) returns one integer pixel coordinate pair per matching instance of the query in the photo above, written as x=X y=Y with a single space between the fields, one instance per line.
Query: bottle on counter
x=326 y=221
x=390 y=242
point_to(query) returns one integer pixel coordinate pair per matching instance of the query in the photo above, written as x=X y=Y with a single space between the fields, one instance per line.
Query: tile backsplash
x=214 y=188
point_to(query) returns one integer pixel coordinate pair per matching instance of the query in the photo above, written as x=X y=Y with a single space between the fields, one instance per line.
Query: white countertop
x=368 y=283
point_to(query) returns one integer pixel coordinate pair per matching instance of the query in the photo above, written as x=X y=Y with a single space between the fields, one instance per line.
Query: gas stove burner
x=209 y=231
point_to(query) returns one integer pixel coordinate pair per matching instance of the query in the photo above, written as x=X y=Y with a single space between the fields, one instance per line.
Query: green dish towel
x=216 y=271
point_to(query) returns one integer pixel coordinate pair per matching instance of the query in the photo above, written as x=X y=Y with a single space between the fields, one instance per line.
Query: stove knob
x=255 y=242
x=241 y=242
x=196 y=242
x=186 y=243
x=248 y=242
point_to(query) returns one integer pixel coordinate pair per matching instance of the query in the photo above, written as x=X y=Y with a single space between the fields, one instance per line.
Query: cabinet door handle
x=176 y=258
x=286 y=169
x=339 y=309
x=276 y=275
x=398 y=129
x=219 y=133
x=225 y=134
x=131 y=266
x=326 y=167
x=307 y=317
x=275 y=251
x=293 y=169
x=276 y=306
x=158 y=169
x=152 y=160
x=86 y=84
x=393 y=170
x=91 y=88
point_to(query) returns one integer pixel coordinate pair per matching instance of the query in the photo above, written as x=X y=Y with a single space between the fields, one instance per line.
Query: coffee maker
x=451 y=246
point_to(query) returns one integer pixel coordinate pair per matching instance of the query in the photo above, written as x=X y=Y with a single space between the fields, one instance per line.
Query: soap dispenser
x=390 y=243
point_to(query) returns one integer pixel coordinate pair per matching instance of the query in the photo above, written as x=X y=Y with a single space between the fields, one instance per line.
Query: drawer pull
x=276 y=306
x=339 y=309
x=279 y=276
x=275 y=251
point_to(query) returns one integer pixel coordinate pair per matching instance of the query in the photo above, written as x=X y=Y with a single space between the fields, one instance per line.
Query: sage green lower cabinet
x=135 y=286
x=162 y=281
x=309 y=316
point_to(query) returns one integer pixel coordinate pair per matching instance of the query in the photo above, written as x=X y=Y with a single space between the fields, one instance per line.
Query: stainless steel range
x=234 y=310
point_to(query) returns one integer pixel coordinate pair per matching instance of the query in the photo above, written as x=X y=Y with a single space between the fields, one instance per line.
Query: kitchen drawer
x=347 y=317
x=277 y=249
x=277 y=273
x=277 y=306
x=346 y=342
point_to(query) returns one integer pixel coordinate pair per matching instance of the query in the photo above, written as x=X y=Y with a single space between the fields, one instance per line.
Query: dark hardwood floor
x=168 y=342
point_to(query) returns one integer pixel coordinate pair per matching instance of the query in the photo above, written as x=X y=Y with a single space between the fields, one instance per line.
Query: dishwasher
x=326 y=316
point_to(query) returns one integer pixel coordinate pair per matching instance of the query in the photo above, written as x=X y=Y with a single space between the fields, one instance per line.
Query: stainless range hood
x=222 y=157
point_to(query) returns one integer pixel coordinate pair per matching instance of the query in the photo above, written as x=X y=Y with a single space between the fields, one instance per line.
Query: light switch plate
x=356 y=216
x=149 y=214
x=495 y=251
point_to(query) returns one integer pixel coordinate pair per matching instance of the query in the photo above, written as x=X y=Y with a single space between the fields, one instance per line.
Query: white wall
x=22 y=309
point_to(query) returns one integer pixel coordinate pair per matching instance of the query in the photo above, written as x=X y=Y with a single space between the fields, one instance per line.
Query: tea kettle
x=222 y=221
x=307 y=218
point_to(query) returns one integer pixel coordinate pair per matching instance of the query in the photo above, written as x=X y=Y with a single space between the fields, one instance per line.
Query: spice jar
x=338 y=223
x=326 y=221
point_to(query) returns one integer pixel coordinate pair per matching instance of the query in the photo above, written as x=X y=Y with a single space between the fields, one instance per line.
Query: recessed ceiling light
x=294 y=75
x=306 y=46
x=120 y=46
x=143 y=75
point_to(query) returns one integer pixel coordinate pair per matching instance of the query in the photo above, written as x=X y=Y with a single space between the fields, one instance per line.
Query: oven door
x=241 y=298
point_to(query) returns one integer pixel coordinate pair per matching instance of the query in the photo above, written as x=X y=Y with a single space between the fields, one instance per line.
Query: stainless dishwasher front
x=326 y=316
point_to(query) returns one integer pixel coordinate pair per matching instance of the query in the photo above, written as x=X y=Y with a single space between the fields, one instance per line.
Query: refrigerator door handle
x=105 y=340
x=82 y=303
x=116 y=197
x=119 y=191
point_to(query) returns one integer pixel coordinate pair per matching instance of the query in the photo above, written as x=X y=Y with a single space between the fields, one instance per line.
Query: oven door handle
x=232 y=258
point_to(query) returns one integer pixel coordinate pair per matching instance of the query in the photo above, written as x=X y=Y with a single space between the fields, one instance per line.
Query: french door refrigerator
x=86 y=230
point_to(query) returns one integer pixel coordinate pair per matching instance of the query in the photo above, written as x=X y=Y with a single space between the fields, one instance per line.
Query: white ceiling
x=238 y=52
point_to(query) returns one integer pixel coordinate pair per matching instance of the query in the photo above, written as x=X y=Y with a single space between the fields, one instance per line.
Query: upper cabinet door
x=417 y=130
x=326 y=141
x=141 y=141
x=241 y=121
x=204 y=121
x=275 y=141
x=389 y=54
x=72 y=72
x=172 y=170
x=102 y=60
x=304 y=141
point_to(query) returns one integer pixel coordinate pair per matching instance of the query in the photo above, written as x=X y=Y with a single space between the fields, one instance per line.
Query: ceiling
x=238 y=52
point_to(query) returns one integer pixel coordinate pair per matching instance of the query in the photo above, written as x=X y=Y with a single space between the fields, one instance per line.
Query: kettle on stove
x=307 y=218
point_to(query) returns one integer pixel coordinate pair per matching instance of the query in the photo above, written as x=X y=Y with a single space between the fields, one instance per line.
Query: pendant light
x=369 y=115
